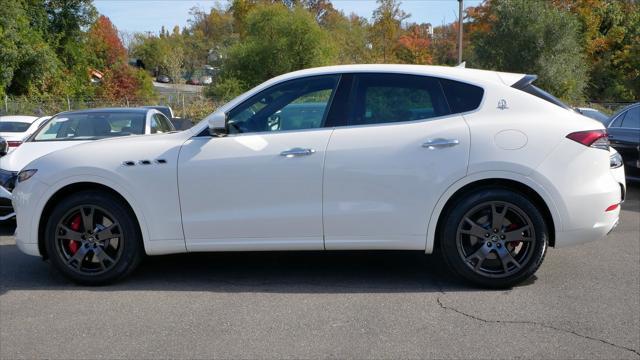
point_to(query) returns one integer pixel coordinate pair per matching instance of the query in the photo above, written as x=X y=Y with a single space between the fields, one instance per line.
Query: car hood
x=105 y=158
x=17 y=159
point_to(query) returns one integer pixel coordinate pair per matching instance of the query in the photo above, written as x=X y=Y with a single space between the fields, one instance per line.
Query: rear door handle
x=440 y=143
x=295 y=152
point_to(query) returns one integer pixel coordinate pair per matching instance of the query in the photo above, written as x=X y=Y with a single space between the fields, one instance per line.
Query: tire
x=493 y=254
x=92 y=238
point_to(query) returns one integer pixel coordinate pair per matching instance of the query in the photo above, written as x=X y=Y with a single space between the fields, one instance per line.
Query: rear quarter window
x=462 y=97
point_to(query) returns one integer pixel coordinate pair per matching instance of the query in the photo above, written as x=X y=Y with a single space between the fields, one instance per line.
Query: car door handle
x=295 y=152
x=440 y=143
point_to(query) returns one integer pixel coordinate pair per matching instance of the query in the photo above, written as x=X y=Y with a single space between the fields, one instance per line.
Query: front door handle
x=295 y=152
x=440 y=143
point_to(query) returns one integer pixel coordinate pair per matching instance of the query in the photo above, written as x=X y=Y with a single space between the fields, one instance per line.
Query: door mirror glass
x=217 y=124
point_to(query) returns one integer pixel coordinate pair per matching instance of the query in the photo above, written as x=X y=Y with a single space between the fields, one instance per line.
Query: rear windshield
x=91 y=126
x=14 y=126
x=526 y=85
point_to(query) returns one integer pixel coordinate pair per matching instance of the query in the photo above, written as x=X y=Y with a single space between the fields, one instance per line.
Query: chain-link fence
x=185 y=105
x=607 y=108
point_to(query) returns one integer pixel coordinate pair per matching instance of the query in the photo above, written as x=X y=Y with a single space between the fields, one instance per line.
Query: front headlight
x=615 y=160
x=25 y=175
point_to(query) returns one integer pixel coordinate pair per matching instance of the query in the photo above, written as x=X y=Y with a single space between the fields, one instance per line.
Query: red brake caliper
x=512 y=227
x=75 y=226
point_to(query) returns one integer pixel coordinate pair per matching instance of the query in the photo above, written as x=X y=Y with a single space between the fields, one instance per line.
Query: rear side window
x=461 y=97
x=632 y=120
x=390 y=98
x=618 y=121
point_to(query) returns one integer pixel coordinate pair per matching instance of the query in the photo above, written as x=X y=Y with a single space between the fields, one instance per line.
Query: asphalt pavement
x=584 y=302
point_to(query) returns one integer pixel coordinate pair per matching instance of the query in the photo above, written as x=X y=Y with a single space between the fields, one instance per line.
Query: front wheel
x=92 y=238
x=494 y=238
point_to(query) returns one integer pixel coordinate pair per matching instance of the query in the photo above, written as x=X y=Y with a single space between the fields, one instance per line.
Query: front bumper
x=27 y=201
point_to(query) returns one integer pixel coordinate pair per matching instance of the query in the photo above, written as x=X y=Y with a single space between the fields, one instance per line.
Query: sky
x=151 y=15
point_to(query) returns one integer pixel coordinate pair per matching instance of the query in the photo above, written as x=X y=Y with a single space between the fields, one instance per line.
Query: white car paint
x=31 y=150
x=21 y=136
x=365 y=187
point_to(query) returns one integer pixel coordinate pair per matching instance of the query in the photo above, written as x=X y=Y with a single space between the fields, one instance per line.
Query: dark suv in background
x=624 y=134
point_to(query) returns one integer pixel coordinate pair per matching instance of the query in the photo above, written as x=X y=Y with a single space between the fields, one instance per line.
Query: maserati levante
x=480 y=166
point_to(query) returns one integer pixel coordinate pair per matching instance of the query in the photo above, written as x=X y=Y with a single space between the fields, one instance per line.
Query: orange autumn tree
x=414 y=45
x=105 y=44
x=109 y=55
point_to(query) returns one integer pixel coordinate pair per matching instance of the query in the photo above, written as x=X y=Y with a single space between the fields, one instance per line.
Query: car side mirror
x=217 y=124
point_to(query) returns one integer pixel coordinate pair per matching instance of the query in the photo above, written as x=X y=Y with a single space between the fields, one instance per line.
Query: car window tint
x=162 y=125
x=91 y=125
x=461 y=97
x=153 y=125
x=294 y=105
x=390 y=98
x=14 y=126
x=166 y=124
x=632 y=119
x=618 y=121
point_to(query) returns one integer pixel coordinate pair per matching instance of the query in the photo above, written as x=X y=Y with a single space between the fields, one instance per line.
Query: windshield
x=91 y=126
x=14 y=126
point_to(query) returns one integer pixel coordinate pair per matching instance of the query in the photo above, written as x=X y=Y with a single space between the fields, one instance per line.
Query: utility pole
x=460 y=7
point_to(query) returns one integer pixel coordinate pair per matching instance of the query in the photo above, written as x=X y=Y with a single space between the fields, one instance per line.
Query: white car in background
x=16 y=128
x=481 y=166
x=72 y=128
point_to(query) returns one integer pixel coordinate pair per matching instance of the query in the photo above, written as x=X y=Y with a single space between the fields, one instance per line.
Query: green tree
x=278 y=40
x=350 y=36
x=387 y=28
x=534 y=37
x=610 y=32
x=29 y=65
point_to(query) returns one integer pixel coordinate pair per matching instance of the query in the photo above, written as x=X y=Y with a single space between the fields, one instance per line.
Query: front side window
x=390 y=98
x=158 y=125
x=166 y=124
x=294 y=105
x=632 y=119
x=91 y=125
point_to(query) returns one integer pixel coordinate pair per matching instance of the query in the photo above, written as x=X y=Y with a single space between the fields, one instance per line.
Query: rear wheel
x=494 y=238
x=92 y=238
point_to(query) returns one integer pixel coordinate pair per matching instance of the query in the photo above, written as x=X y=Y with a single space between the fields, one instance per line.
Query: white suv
x=478 y=165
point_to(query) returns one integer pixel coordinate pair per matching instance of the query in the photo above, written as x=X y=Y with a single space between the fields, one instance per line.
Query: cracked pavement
x=582 y=303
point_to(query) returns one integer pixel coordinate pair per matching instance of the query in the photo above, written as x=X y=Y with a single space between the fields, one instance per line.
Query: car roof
x=19 y=118
x=111 y=110
x=156 y=107
x=453 y=73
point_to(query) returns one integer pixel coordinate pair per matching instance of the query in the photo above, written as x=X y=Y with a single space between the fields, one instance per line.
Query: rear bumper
x=606 y=224
x=584 y=188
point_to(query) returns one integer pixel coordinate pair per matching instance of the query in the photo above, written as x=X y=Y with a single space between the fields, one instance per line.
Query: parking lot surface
x=582 y=303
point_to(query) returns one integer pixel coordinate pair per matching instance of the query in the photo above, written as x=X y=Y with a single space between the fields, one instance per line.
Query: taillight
x=598 y=139
x=13 y=143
